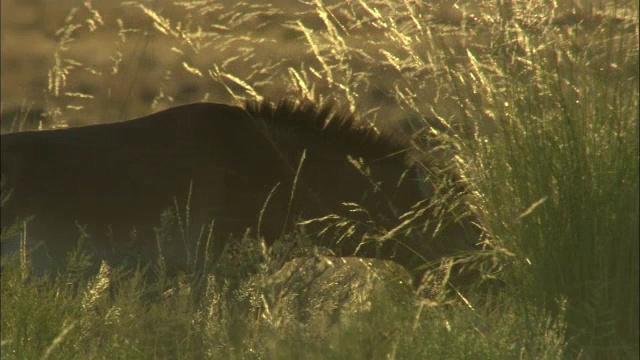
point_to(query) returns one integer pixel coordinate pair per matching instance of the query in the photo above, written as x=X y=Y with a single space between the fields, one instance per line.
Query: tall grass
x=124 y=314
x=535 y=106
x=558 y=180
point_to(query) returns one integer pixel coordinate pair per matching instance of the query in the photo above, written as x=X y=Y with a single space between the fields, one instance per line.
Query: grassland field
x=537 y=104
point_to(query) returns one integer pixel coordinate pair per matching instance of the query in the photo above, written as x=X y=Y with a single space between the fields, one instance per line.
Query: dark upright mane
x=262 y=167
x=340 y=130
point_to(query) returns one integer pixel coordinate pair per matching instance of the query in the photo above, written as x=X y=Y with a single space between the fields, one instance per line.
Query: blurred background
x=73 y=62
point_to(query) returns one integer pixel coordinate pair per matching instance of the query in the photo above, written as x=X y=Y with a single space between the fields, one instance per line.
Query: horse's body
x=292 y=161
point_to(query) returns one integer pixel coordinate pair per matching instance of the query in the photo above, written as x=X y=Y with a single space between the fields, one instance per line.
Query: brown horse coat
x=120 y=176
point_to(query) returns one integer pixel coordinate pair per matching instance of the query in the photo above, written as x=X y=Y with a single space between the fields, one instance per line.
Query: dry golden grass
x=125 y=59
x=557 y=79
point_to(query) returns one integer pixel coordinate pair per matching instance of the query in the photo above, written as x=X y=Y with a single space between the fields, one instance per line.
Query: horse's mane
x=334 y=128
